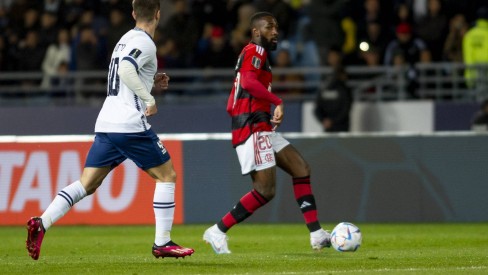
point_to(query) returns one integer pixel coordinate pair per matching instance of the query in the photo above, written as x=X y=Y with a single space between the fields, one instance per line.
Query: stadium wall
x=211 y=117
x=363 y=178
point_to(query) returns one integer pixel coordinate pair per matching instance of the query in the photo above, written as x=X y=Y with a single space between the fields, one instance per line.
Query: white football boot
x=320 y=239
x=217 y=239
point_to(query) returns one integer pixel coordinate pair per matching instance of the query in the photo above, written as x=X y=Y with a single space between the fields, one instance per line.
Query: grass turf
x=460 y=248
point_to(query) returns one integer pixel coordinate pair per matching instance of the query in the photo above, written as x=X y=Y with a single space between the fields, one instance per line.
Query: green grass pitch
x=460 y=248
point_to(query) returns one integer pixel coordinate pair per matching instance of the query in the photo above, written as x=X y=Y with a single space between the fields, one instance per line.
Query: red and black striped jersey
x=250 y=105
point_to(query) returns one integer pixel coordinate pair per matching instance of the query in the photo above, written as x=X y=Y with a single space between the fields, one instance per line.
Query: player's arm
x=250 y=82
x=128 y=74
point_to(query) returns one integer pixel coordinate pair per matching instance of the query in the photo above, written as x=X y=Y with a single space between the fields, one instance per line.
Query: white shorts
x=258 y=152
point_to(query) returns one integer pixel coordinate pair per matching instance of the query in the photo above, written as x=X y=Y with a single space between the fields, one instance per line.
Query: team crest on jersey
x=256 y=62
x=135 y=53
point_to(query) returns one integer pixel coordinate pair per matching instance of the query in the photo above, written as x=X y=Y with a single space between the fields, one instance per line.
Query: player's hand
x=277 y=116
x=151 y=110
x=161 y=81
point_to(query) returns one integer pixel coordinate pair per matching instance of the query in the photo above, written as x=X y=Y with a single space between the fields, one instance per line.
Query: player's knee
x=169 y=177
x=267 y=192
x=172 y=176
x=91 y=188
x=307 y=169
x=303 y=170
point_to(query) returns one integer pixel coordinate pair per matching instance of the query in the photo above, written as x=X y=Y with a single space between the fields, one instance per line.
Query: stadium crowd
x=55 y=36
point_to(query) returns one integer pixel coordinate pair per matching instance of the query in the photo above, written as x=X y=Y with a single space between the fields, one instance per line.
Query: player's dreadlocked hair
x=145 y=9
x=258 y=16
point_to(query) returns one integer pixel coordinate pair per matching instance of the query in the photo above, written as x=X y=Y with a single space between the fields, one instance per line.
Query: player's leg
x=257 y=159
x=291 y=161
x=149 y=154
x=264 y=184
x=103 y=156
x=164 y=208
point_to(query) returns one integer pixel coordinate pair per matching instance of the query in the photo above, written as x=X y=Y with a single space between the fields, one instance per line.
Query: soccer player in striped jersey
x=259 y=148
x=122 y=132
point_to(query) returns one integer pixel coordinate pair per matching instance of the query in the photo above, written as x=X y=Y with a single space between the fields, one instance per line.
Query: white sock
x=164 y=211
x=62 y=203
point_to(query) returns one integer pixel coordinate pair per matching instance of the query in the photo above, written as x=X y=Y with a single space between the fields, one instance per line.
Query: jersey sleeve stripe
x=259 y=50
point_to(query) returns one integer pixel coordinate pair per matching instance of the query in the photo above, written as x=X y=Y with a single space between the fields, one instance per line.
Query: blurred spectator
x=60 y=82
x=4 y=21
x=233 y=16
x=170 y=57
x=475 y=51
x=335 y=57
x=218 y=53
x=3 y=54
x=333 y=103
x=370 y=56
x=334 y=100
x=240 y=35
x=480 y=119
x=403 y=14
x=123 y=6
x=48 y=30
x=183 y=29
x=413 y=49
x=53 y=6
x=453 y=46
x=87 y=51
x=404 y=52
x=374 y=40
x=283 y=61
x=405 y=74
x=372 y=11
x=30 y=22
x=118 y=26
x=18 y=9
x=31 y=54
x=56 y=54
x=432 y=28
x=419 y=9
x=73 y=11
x=210 y=12
x=349 y=48
x=282 y=12
x=325 y=25
x=469 y=8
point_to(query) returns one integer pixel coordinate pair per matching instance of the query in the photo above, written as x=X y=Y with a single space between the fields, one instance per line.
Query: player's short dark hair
x=145 y=9
x=258 y=16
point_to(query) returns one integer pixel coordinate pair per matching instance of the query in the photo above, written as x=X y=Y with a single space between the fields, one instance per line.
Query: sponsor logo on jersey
x=135 y=53
x=256 y=62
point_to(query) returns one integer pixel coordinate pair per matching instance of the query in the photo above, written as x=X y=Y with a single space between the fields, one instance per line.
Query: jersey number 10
x=113 y=78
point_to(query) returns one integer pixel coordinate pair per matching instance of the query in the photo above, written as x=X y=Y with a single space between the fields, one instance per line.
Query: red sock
x=306 y=201
x=243 y=209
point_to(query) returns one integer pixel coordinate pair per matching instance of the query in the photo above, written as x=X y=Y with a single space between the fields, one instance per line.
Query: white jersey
x=123 y=111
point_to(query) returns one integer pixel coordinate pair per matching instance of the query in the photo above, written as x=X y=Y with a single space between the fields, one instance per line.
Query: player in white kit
x=122 y=132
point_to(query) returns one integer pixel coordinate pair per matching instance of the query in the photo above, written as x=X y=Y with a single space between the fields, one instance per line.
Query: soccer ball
x=346 y=237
